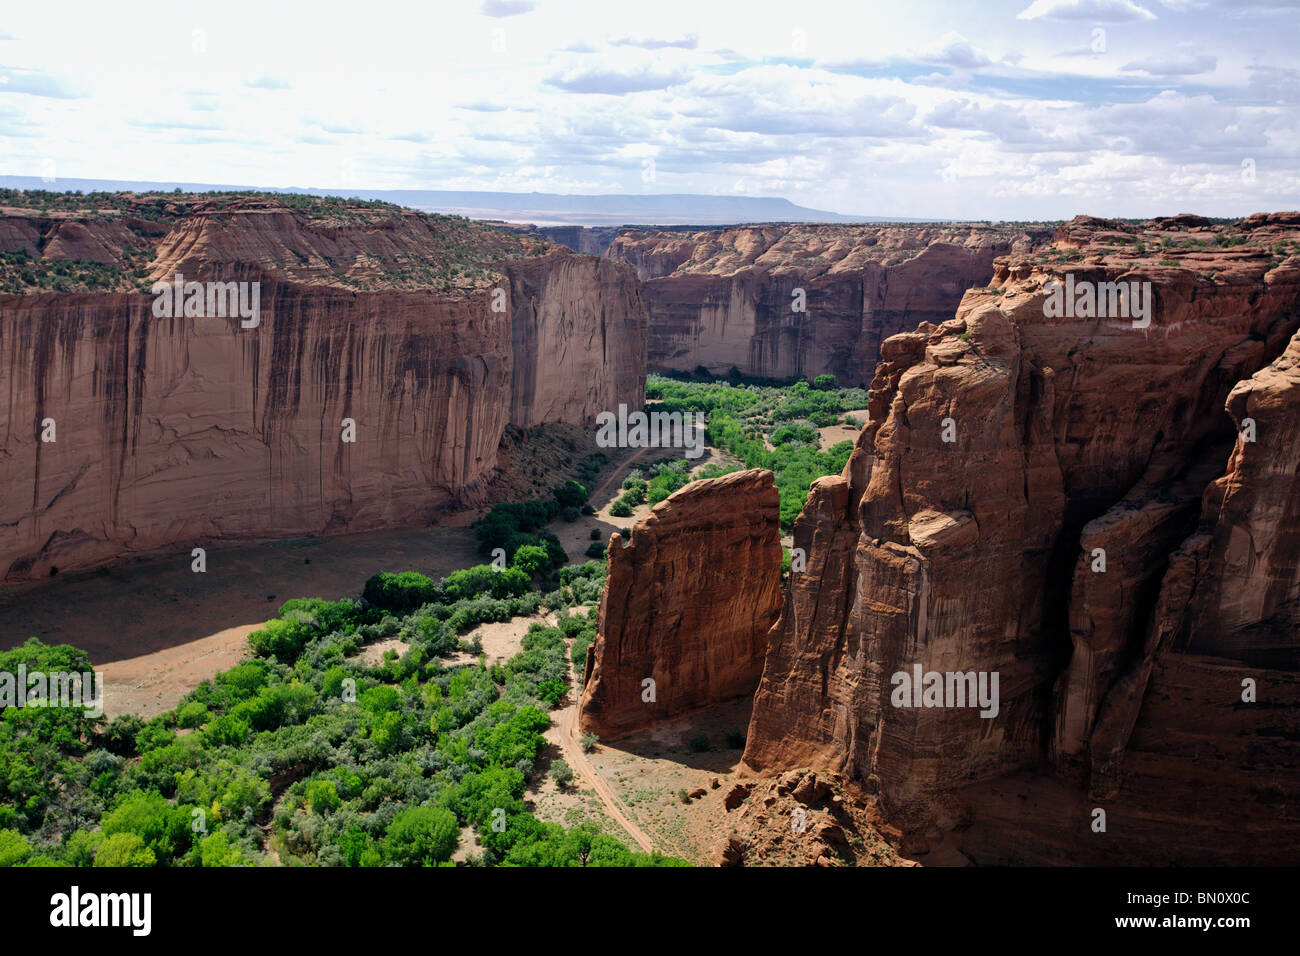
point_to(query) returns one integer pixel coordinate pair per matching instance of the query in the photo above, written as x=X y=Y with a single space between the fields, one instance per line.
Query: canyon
x=779 y=301
x=1102 y=512
x=429 y=336
x=1095 y=512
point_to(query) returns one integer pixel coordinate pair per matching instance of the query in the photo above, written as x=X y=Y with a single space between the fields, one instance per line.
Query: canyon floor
x=156 y=629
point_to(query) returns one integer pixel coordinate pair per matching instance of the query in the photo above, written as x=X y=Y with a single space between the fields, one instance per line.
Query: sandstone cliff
x=1006 y=452
x=687 y=604
x=172 y=431
x=725 y=298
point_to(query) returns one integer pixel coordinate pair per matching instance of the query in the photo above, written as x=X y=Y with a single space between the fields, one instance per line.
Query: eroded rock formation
x=727 y=298
x=172 y=430
x=687 y=604
x=1006 y=452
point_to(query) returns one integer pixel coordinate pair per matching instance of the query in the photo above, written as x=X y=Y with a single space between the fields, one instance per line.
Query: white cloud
x=616 y=82
x=1100 y=11
x=506 y=8
x=688 y=42
x=953 y=49
x=1184 y=65
x=903 y=118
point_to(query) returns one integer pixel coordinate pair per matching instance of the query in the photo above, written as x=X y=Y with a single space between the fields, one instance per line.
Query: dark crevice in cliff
x=1177 y=476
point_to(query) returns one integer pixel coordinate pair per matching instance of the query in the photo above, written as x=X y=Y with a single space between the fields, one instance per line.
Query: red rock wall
x=976 y=555
x=173 y=431
x=688 y=602
x=723 y=298
x=578 y=339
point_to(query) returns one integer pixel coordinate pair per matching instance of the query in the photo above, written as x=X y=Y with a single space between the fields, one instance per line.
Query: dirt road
x=569 y=743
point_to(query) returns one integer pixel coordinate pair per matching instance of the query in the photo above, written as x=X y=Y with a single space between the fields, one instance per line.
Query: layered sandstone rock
x=1006 y=448
x=727 y=298
x=687 y=604
x=176 y=431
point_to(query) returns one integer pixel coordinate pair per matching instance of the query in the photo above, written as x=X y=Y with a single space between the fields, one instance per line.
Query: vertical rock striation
x=688 y=602
x=176 y=430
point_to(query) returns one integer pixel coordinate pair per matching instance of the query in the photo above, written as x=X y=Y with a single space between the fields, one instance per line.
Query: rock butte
x=672 y=612
x=1121 y=690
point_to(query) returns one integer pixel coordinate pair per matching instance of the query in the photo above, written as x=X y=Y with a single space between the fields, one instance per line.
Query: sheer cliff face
x=687 y=604
x=728 y=298
x=1008 y=451
x=578 y=339
x=172 y=431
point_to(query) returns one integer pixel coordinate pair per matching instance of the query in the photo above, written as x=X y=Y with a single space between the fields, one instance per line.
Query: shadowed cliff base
x=149 y=603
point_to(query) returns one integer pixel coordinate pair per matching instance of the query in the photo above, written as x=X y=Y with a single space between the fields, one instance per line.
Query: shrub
x=281 y=639
x=511 y=525
x=589 y=509
x=570 y=514
x=124 y=849
x=326 y=615
x=400 y=593
x=799 y=433
x=482 y=579
x=120 y=734
x=217 y=850
x=620 y=509
x=193 y=714
x=589 y=742
x=570 y=494
x=163 y=828
x=596 y=549
x=551 y=691
x=14 y=848
x=532 y=559
x=322 y=796
x=561 y=773
x=595 y=534
x=824 y=383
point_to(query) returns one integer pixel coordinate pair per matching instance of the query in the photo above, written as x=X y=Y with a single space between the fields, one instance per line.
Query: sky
x=985 y=109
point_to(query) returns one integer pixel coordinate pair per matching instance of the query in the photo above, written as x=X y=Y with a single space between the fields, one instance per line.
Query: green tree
x=570 y=494
x=216 y=849
x=161 y=827
x=422 y=836
x=532 y=559
x=14 y=848
x=124 y=849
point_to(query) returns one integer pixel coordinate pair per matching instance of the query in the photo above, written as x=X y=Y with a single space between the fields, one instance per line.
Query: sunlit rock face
x=1035 y=495
x=371 y=391
x=687 y=605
